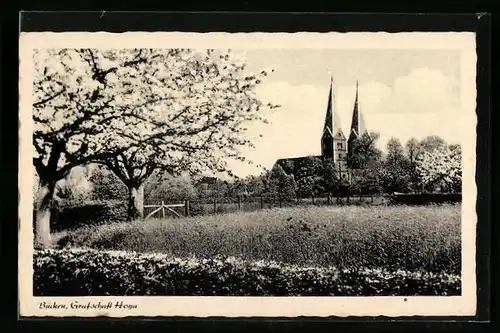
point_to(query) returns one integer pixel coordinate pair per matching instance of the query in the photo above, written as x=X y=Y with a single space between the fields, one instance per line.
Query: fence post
x=298 y=200
x=328 y=198
x=280 y=201
x=163 y=209
x=239 y=202
x=348 y=199
x=186 y=207
x=371 y=198
x=360 y=198
x=312 y=197
x=215 y=205
x=261 y=202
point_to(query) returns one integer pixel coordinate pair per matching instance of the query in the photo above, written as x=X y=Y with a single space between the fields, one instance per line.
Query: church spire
x=332 y=121
x=333 y=140
x=357 y=124
x=355 y=115
x=328 y=127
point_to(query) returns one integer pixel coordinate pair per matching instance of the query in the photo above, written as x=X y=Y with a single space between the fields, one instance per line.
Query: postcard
x=247 y=174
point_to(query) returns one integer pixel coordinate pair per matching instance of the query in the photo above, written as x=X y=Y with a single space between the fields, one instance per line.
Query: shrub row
x=424 y=198
x=74 y=214
x=82 y=272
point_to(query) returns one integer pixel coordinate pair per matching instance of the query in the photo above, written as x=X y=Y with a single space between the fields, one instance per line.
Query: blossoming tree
x=77 y=116
x=135 y=110
x=198 y=105
x=441 y=167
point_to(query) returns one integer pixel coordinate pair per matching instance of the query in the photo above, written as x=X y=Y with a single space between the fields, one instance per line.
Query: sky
x=402 y=94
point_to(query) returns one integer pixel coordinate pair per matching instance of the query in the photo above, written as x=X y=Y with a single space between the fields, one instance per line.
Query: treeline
x=430 y=165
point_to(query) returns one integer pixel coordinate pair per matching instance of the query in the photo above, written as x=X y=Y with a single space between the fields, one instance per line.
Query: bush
x=424 y=198
x=86 y=272
x=74 y=214
x=106 y=185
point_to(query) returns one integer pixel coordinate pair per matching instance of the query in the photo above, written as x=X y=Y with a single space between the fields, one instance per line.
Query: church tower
x=333 y=141
x=334 y=145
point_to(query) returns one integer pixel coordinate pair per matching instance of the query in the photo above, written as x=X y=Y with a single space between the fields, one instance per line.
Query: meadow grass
x=392 y=237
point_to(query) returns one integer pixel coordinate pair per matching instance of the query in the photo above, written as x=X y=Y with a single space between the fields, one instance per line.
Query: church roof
x=358 y=127
x=292 y=164
x=332 y=121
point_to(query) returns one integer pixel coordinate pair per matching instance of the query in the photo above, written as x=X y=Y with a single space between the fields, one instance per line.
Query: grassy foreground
x=420 y=238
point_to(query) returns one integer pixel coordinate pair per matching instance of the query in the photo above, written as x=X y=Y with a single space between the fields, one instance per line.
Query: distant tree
x=413 y=149
x=256 y=184
x=330 y=176
x=172 y=188
x=237 y=188
x=441 y=169
x=455 y=147
x=76 y=185
x=106 y=186
x=369 y=179
x=204 y=186
x=309 y=176
x=218 y=188
x=364 y=162
x=281 y=185
x=397 y=175
x=362 y=151
x=265 y=184
x=431 y=143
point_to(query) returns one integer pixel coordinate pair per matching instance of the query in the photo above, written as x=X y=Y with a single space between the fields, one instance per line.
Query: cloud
x=423 y=91
x=405 y=126
x=294 y=129
x=425 y=102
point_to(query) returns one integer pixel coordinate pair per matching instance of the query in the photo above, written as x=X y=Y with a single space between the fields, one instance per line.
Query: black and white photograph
x=316 y=173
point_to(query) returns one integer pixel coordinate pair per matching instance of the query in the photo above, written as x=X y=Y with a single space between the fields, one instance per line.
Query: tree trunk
x=44 y=201
x=136 y=202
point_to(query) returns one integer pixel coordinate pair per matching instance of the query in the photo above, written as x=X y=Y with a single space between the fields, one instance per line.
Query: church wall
x=340 y=148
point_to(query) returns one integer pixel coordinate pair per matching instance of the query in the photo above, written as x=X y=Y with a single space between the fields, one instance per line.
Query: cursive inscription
x=52 y=305
x=76 y=305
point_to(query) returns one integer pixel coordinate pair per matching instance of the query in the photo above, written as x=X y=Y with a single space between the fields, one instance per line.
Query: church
x=334 y=144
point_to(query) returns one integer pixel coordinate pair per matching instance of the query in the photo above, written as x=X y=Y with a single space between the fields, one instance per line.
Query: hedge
x=88 y=272
x=70 y=215
x=424 y=198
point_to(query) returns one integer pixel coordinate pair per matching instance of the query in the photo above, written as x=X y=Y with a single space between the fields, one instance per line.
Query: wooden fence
x=209 y=206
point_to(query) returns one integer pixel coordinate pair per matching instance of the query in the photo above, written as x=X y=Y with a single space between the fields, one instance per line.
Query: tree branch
x=48 y=99
x=116 y=170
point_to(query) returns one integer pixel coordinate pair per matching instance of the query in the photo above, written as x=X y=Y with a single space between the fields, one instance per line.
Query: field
x=410 y=238
x=315 y=251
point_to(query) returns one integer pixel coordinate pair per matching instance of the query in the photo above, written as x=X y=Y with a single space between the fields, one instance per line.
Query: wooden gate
x=162 y=209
